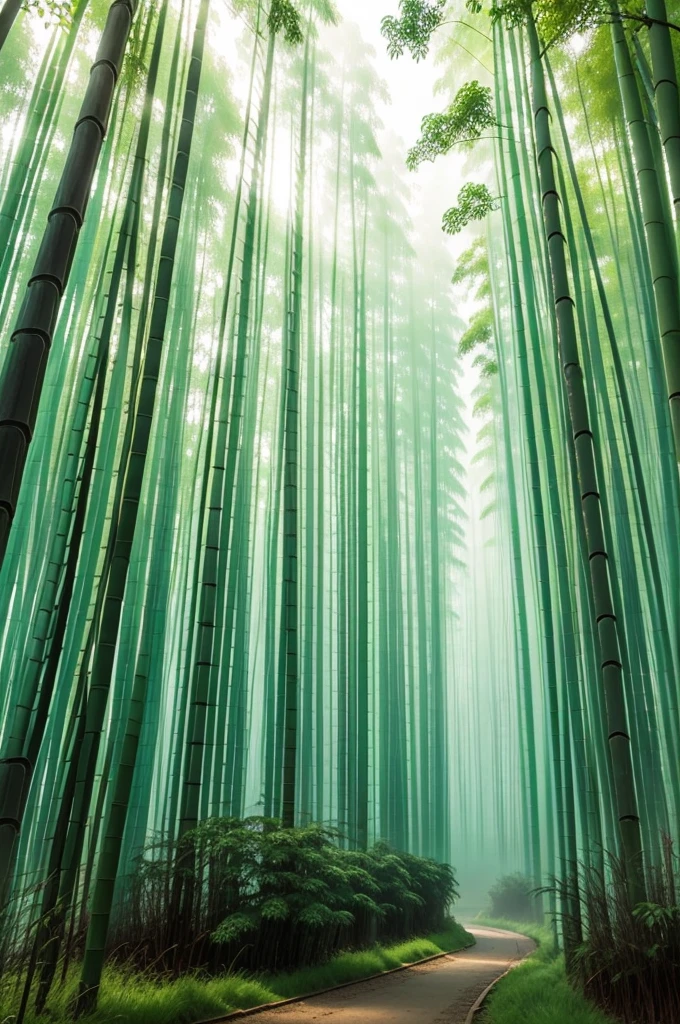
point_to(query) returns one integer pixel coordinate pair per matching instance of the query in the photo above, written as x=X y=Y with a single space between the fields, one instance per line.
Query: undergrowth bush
x=629 y=961
x=249 y=894
x=511 y=898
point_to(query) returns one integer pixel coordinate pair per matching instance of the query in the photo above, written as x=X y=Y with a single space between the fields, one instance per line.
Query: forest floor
x=441 y=991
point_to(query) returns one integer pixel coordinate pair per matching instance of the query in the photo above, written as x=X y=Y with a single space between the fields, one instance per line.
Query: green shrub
x=250 y=893
x=629 y=961
x=511 y=898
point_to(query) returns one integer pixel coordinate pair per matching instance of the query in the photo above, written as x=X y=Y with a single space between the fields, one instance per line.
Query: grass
x=127 y=998
x=538 y=990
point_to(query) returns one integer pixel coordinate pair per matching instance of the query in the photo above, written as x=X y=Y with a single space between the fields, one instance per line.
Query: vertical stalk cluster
x=230 y=591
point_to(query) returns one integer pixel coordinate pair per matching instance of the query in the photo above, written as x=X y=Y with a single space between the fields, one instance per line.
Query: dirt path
x=439 y=992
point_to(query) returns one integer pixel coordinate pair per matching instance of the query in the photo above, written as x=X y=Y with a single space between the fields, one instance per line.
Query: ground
x=439 y=992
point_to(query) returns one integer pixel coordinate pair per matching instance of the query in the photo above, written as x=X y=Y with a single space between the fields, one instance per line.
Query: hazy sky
x=412 y=88
x=411 y=85
x=435 y=186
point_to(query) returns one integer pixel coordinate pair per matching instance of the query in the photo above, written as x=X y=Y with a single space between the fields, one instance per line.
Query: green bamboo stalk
x=24 y=368
x=289 y=601
x=583 y=444
x=8 y=14
x=105 y=649
x=658 y=232
x=665 y=90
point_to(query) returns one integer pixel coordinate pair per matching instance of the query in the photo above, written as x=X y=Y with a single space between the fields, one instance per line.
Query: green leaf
x=413 y=29
x=284 y=17
x=463 y=122
x=233 y=927
x=275 y=909
x=474 y=203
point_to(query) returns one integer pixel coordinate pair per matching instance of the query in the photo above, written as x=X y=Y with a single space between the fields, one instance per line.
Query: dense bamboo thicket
x=316 y=511
x=230 y=438
x=570 y=112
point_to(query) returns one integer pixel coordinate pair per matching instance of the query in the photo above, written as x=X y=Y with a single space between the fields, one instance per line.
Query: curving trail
x=439 y=992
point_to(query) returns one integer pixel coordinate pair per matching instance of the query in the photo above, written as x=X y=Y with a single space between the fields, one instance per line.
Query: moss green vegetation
x=131 y=998
x=538 y=990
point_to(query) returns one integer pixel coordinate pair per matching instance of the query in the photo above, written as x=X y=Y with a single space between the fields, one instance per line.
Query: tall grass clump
x=512 y=898
x=629 y=961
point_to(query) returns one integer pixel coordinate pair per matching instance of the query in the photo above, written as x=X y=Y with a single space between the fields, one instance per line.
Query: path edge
x=251 y=1011
x=481 y=999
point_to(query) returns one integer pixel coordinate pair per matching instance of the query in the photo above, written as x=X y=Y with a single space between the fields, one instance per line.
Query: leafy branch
x=475 y=202
x=284 y=17
x=464 y=121
x=559 y=21
x=412 y=31
x=54 y=12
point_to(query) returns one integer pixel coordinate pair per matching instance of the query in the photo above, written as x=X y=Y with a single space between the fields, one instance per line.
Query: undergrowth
x=512 y=898
x=537 y=991
x=127 y=997
x=273 y=898
x=629 y=960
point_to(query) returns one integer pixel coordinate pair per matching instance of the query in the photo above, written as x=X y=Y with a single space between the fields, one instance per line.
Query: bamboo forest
x=340 y=511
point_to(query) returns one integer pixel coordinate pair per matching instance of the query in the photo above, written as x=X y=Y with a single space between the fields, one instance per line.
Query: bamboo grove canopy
x=310 y=509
